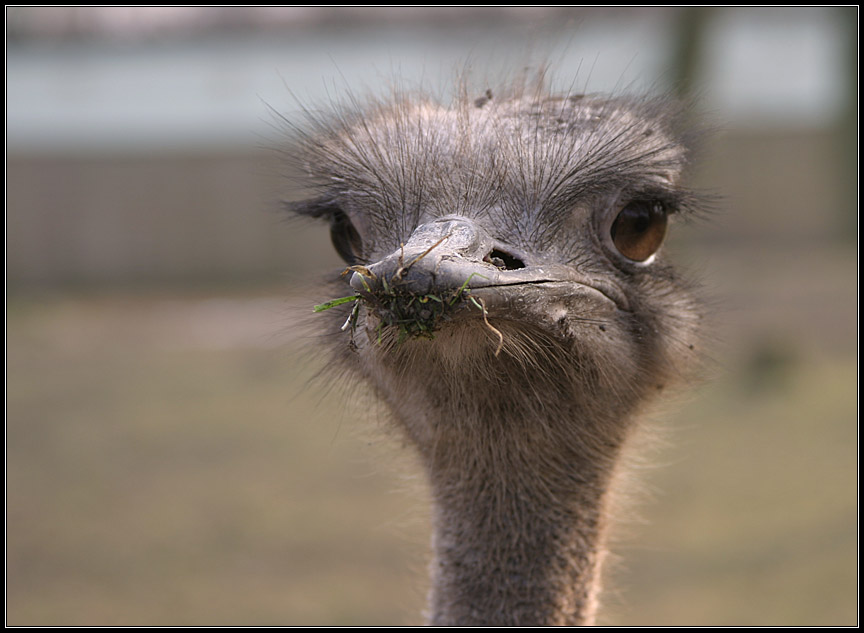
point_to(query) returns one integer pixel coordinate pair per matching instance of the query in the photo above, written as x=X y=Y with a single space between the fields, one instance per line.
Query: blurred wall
x=126 y=217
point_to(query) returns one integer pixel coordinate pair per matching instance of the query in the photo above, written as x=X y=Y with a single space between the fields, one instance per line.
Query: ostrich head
x=511 y=303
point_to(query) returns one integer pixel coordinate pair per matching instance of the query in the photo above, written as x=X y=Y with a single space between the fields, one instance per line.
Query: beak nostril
x=504 y=261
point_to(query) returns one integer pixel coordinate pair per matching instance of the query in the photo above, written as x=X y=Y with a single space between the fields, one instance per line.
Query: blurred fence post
x=686 y=61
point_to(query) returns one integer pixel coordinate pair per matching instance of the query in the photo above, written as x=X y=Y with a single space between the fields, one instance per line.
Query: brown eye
x=639 y=229
x=346 y=240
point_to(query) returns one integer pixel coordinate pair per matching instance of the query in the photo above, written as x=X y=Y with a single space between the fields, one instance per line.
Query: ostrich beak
x=447 y=254
x=451 y=254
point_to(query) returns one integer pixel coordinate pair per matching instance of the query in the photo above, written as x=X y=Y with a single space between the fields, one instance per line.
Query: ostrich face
x=490 y=224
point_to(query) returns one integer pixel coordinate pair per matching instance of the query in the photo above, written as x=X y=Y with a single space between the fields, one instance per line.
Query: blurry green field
x=168 y=463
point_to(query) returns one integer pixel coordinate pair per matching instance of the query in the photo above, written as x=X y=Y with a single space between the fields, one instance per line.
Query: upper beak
x=455 y=253
x=445 y=254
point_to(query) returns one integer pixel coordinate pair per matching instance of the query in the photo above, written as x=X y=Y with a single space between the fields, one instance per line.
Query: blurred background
x=169 y=461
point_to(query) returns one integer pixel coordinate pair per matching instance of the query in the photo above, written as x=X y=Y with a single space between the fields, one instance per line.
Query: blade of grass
x=335 y=302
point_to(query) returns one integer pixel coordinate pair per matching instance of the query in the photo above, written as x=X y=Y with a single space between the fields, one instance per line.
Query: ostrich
x=511 y=305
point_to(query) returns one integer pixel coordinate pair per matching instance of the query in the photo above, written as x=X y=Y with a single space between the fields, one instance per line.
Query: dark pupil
x=640 y=220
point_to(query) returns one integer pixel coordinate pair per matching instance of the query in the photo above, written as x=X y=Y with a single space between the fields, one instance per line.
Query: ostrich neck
x=514 y=546
x=519 y=477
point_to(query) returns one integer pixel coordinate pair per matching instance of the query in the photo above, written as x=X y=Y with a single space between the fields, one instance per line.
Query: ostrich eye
x=346 y=240
x=639 y=229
